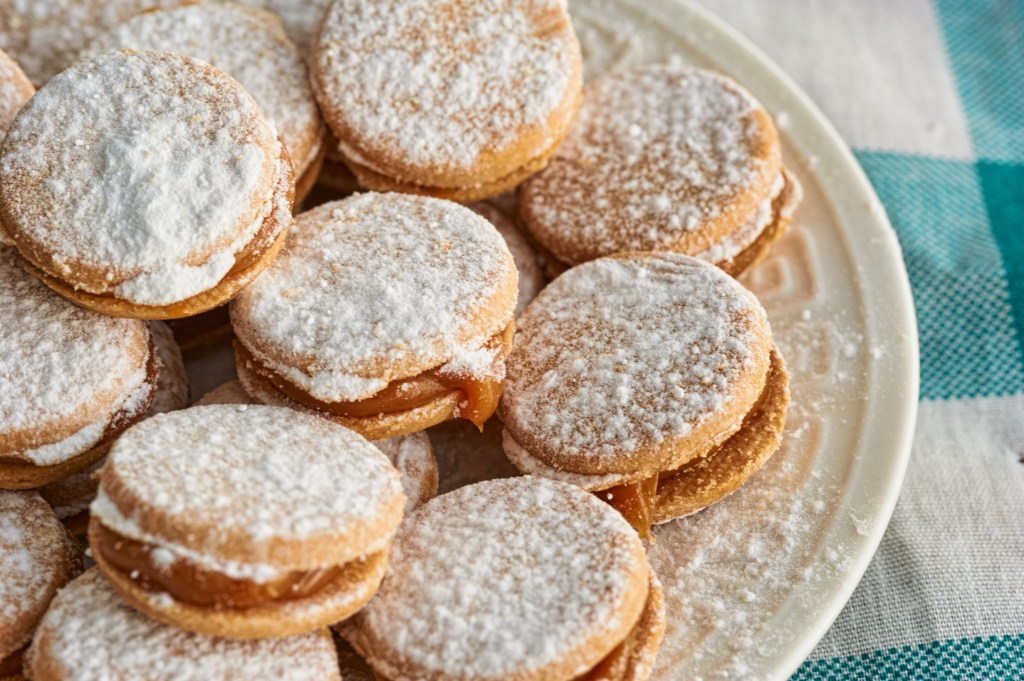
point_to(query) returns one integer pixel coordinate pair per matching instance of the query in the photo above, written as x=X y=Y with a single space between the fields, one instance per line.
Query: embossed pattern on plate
x=753 y=583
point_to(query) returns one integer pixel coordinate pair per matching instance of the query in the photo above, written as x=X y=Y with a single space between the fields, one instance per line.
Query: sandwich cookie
x=90 y=634
x=251 y=46
x=15 y=90
x=531 y=276
x=45 y=36
x=566 y=593
x=144 y=184
x=37 y=557
x=411 y=454
x=486 y=92
x=70 y=496
x=244 y=521
x=660 y=412
x=71 y=380
x=386 y=313
x=664 y=158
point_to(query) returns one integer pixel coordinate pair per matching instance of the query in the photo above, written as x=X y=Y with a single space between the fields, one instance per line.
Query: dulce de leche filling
x=481 y=392
x=11 y=665
x=187 y=582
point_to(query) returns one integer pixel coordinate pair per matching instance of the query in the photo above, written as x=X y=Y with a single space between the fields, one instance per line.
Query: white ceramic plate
x=754 y=582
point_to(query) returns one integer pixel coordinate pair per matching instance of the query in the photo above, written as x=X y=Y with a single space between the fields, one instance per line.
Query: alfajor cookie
x=650 y=379
x=386 y=313
x=70 y=496
x=566 y=593
x=144 y=184
x=251 y=46
x=89 y=634
x=412 y=455
x=37 y=557
x=45 y=36
x=244 y=521
x=15 y=90
x=663 y=158
x=531 y=276
x=485 y=94
x=71 y=380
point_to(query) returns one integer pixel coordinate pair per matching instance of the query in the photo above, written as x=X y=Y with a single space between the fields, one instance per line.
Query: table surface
x=930 y=96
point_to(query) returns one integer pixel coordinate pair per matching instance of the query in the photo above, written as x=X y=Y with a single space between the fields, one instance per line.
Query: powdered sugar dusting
x=249 y=46
x=531 y=277
x=45 y=36
x=655 y=152
x=458 y=604
x=155 y=188
x=400 y=275
x=473 y=76
x=15 y=90
x=33 y=561
x=645 y=347
x=56 y=358
x=91 y=634
x=241 y=473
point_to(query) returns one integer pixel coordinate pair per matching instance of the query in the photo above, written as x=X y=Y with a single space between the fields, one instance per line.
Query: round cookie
x=531 y=276
x=567 y=583
x=244 y=521
x=166 y=190
x=71 y=380
x=412 y=455
x=249 y=45
x=486 y=93
x=663 y=158
x=45 y=36
x=386 y=313
x=89 y=633
x=70 y=496
x=689 y=380
x=15 y=90
x=37 y=557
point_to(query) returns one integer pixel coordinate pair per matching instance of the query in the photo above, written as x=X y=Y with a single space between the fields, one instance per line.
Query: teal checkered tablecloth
x=930 y=96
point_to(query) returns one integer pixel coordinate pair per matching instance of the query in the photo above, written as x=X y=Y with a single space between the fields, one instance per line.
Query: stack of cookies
x=440 y=264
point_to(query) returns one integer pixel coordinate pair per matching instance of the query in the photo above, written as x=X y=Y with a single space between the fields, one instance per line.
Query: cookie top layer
x=563 y=586
x=483 y=86
x=138 y=174
x=247 y=44
x=45 y=36
x=36 y=559
x=90 y=633
x=662 y=157
x=250 y=490
x=64 y=371
x=15 y=90
x=664 y=351
x=376 y=288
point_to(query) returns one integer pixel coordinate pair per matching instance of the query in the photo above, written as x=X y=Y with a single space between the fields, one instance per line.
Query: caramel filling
x=481 y=394
x=189 y=583
x=11 y=665
x=635 y=501
x=605 y=666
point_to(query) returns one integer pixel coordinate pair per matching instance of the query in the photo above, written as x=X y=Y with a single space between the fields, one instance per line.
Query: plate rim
x=898 y=408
